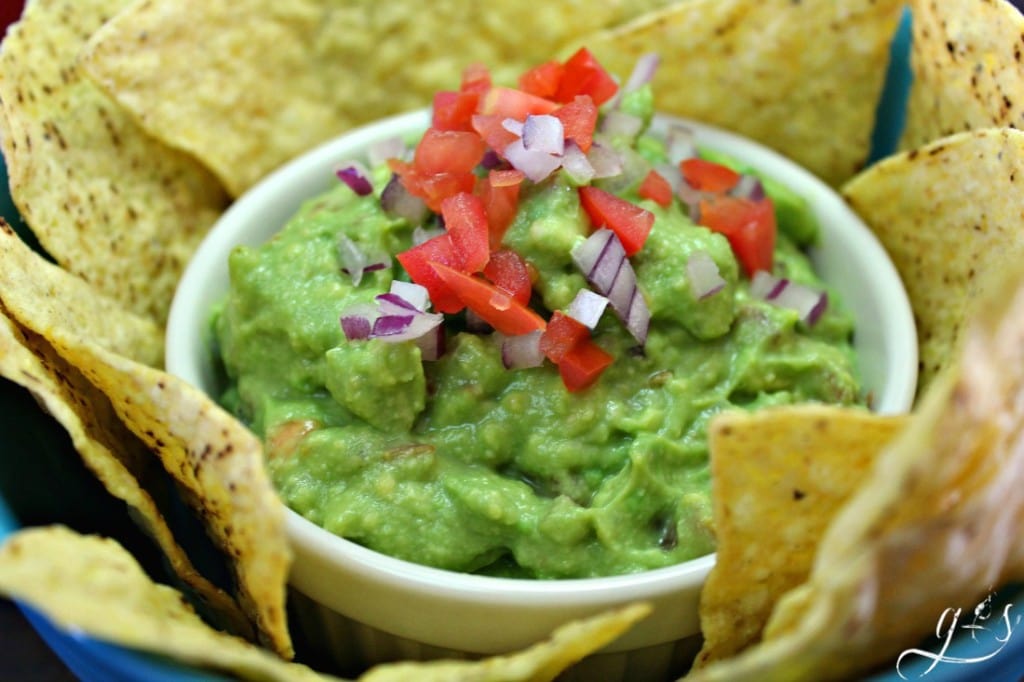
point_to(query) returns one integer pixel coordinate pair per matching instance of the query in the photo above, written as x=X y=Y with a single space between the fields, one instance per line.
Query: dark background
x=23 y=654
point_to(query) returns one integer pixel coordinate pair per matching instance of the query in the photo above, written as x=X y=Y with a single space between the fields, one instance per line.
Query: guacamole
x=464 y=464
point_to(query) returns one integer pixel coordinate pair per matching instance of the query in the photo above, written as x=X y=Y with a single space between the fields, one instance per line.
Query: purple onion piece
x=415 y=294
x=356 y=327
x=643 y=71
x=748 y=187
x=354 y=175
x=576 y=164
x=432 y=344
x=521 y=351
x=617 y=122
x=543 y=133
x=397 y=201
x=603 y=261
x=808 y=302
x=680 y=144
x=388 y=148
x=587 y=307
x=535 y=164
x=607 y=162
x=703 y=275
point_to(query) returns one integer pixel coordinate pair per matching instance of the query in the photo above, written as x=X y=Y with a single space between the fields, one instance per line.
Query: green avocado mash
x=462 y=464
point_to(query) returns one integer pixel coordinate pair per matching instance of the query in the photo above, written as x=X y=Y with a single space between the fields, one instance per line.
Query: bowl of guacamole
x=483 y=352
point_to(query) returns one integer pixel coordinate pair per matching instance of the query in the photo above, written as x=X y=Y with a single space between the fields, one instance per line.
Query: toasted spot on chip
x=779 y=475
x=539 y=663
x=92 y=585
x=109 y=203
x=291 y=75
x=801 y=77
x=967 y=59
x=949 y=214
x=944 y=504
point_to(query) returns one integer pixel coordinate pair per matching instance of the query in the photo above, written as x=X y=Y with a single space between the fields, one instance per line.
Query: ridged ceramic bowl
x=361 y=607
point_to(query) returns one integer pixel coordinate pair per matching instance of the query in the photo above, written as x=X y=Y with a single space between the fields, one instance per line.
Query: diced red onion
x=476 y=324
x=432 y=344
x=355 y=262
x=691 y=197
x=544 y=133
x=421 y=234
x=521 y=351
x=679 y=144
x=391 y=325
x=587 y=307
x=748 y=187
x=393 y=304
x=354 y=174
x=576 y=164
x=396 y=200
x=703 y=275
x=809 y=303
x=492 y=160
x=392 y=319
x=535 y=164
x=357 y=321
x=643 y=72
x=671 y=174
x=603 y=261
x=512 y=125
x=605 y=160
x=617 y=122
x=414 y=294
x=388 y=148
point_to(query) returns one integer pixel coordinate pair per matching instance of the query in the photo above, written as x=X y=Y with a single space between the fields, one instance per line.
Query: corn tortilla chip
x=93 y=585
x=801 y=77
x=56 y=297
x=967 y=60
x=109 y=451
x=109 y=203
x=248 y=84
x=945 y=504
x=779 y=475
x=948 y=214
x=216 y=462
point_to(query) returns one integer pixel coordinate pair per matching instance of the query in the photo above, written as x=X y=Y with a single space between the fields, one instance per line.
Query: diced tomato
x=489 y=127
x=708 y=176
x=508 y=271
x=628 y=221
x=493 y=305
x=585 y=76
x=466 y=222
x=656 y=188
x=448 y=151
x=416 y=262
x=748 y=225
x=476 y=79
x=579 y=118
x=542 y=80
x=582 y=365
x=512 y=103
x=454 y=110
x=562 y=334
x=500 y=194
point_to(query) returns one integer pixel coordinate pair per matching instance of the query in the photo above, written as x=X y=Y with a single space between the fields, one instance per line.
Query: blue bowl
x=39 y=459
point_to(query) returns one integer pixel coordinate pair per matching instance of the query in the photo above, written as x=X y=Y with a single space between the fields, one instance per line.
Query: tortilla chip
x=967 y=60
x=539 y=663
x=109 y=203
x=779 y=475
x=802 y=78
x=93 y=585
x=245 y=85
x=945 y=504
x=216 y=462
x=29 y=282
x=948 y=214
x=109 y=451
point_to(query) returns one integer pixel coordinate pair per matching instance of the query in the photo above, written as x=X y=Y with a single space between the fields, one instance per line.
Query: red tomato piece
x=579 y=118
x=629 y=222
x=476 y=78
x=582 y=365
x=489 y=127
x=494 y=306
x=454 y=110
x=416 y=262
x=562 y=334
x=748 y=225
x=508 y=271
x=512 y=103
x=585 y=76
x=500 y=194
x=542 y=80
x=656 y=188
x=448 y=151
x=708 y=176
x=466 y=222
